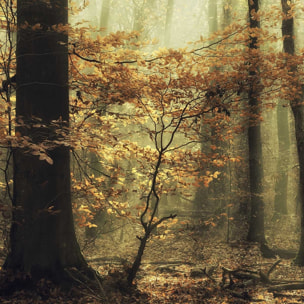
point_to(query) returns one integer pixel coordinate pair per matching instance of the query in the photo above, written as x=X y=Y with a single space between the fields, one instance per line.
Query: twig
x=93 y=293
x=291 y=286
x=273 y=267
x=100 y=288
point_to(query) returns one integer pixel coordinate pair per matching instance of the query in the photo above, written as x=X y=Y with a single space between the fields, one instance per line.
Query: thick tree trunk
x=256 y=223
x=42 y=238
x=298 y=112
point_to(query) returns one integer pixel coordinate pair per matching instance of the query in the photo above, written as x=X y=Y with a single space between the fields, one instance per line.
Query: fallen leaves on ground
x=179 y=275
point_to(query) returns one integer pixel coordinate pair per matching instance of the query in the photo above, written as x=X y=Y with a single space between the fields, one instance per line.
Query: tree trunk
x=138 y=23
x=42 y=237
x=256 y=223
x=168 y=24
x=212 y=16
x=298 y=112
x=227 y=12
x=280 y=202
x=205 y=197
x=105 y=14
x=135 y=267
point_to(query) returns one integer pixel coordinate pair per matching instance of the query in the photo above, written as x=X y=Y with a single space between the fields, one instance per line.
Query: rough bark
x=42 y=237
x=256 y=223
x=298 y=111
x=283 y=126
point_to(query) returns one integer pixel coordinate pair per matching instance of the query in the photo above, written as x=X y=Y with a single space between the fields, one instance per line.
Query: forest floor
x=181 y=268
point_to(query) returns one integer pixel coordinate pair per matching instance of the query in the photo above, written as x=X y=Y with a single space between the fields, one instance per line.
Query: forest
x=151 y=151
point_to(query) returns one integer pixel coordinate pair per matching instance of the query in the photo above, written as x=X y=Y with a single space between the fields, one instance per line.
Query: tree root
x=12 y=281
x=268 y=252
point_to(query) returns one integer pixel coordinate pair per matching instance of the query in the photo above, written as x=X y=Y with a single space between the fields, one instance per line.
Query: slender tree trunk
x=205 y=196
x=135 y=267
x=256 y=223
x=212 y=16
x=105 y=14
x=168 y=24
x=138 y=23
x=42 y=238
x=280 y=202
x=298 y=112
x=227 y=12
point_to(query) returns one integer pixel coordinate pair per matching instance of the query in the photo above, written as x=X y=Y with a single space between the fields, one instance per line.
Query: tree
x=168 y=22
x=144 y=20
x=256 y=224
x=213 y=16
x=105 y=13
x=42 y=237
x=280 y=201
x=214 y=197
x=297 y=108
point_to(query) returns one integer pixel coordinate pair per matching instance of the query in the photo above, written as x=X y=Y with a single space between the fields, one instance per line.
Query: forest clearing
x=151 y=151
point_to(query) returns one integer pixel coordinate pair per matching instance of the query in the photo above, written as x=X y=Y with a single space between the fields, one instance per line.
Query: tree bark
x=298 y=112
x=136 y=264
x=42 y=237
x=256 y=223
x=283 y=126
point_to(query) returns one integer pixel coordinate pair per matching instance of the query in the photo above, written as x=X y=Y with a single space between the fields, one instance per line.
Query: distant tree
x=283 y=161
x=256 y=224
x=227 y=12
x=144 y=18
x=212 y=16
x=281 y=186
x=168 y=23
x=210 y=198
x=42 y=237
x=105 y=14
